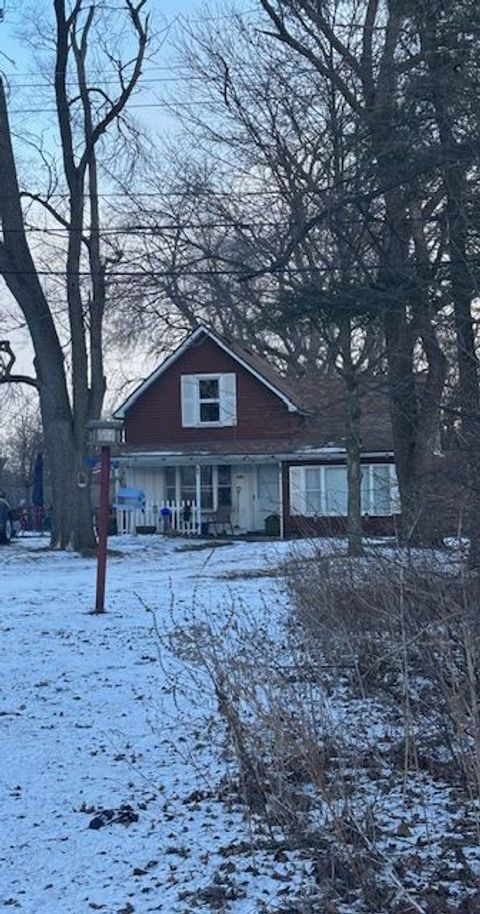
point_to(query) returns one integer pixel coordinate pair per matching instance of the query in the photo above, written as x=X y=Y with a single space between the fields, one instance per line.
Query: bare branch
x=6 y=376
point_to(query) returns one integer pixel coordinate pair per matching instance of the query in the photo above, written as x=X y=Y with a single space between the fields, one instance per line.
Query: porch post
x=281 y=512
x=198 y=497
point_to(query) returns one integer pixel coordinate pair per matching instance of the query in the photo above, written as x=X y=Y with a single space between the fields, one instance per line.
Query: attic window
x=209 y=400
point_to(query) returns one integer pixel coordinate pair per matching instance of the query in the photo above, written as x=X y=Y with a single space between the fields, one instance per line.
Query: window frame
x=368 y=490
x=212 y=488
x=222 y=400
x=208 y=400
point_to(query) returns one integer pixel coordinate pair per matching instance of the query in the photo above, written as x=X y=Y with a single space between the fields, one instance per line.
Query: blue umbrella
x=37 y=491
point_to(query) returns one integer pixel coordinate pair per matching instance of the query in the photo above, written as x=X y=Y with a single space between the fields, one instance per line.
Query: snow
x=100 y=724
x=90 y=722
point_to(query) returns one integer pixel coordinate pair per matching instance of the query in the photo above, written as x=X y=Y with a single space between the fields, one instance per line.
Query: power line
x=191 y=104
x=240 y=224
x=238 y=273
x=48 y=84
x=206 y=192
x=194 y=193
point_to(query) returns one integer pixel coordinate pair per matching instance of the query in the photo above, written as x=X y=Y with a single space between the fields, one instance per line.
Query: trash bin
x=166 y=519
x=272 y=525
x=205 y=528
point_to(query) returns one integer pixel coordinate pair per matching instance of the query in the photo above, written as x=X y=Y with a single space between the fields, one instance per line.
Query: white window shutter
x=298 y=494
x=189 y=398
x=228 y=399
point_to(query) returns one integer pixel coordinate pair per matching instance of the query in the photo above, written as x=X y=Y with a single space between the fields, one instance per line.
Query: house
x=215 y=436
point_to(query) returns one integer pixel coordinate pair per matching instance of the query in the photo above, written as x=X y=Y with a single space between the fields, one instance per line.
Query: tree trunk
x=352 y=442
x=399 y=350
x=18 y=269
x=354 y=471
x=429 y=394
x=439 y=62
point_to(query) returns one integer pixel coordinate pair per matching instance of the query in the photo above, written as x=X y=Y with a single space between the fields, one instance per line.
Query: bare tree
x=366 y=53
x=70 y=393
x=22 y=442
x=273 y=132
x=453 y=82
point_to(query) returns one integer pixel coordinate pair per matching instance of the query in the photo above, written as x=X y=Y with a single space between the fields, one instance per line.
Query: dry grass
x=355 y=727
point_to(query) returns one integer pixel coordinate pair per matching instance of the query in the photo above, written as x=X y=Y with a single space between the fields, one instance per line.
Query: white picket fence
x=183 y=518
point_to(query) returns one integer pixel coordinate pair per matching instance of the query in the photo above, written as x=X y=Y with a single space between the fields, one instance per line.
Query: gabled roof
x=254 y=364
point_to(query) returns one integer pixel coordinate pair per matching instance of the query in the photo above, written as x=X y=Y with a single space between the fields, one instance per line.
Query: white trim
x=191 y=400
x=280 y=496
x=120 y=412
x=158 y=458
x=198 y=495
x=298 y=490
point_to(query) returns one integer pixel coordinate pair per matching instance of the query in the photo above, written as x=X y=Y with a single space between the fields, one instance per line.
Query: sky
x=16 y=11
x=31 y=104
x=17 y=61
x=26 y=102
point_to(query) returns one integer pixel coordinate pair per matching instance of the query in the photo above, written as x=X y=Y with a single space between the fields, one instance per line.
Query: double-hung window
x=380 y=496
x=181 y=485
x=208 y=400
x=313 y=490
x=323 y=490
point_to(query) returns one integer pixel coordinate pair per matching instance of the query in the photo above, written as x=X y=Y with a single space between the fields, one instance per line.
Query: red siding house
x=217 y=440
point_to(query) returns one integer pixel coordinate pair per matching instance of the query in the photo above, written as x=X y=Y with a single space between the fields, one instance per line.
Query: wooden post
x=281 y=512
x=198 y=498
x=103 y=528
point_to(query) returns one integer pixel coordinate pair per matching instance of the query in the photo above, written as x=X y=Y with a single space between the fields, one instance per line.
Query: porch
x=200 y=497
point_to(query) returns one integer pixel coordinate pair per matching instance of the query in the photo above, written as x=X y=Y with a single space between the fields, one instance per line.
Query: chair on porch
x=221 y=519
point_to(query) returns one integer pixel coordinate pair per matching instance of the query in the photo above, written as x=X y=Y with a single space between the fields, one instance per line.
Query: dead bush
x=403 y=628
x=354 y=723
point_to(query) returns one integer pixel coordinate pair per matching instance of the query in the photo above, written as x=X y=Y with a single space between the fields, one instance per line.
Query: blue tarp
x=129 y=499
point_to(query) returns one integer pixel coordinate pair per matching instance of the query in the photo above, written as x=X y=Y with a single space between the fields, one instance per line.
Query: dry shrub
x=403 y=628
x=352 y=720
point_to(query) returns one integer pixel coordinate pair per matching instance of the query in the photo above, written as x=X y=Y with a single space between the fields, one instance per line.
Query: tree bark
x=65 y=420
x=462 y=285
x=368 y=81
x=18 y=269
x=352 y=441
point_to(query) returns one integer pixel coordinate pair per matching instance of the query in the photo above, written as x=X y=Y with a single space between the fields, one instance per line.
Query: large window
x=215 y=485
x=323 y=490
x=208 y=400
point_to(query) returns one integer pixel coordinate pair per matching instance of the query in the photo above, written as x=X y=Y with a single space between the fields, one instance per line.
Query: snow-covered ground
x=93 y=733
x=118 y=790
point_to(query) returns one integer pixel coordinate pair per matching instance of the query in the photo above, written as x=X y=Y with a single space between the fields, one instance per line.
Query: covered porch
x=202 y=494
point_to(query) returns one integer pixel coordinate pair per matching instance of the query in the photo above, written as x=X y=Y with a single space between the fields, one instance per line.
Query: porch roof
x=222 y=452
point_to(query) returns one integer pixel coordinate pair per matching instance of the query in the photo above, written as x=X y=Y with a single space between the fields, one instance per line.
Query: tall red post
x=103 y=528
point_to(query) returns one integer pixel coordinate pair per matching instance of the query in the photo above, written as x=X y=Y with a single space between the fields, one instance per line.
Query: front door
x=242 y=499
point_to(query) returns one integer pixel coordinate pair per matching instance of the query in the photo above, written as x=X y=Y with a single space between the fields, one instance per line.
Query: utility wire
x=240 y=225
x=239 y=273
